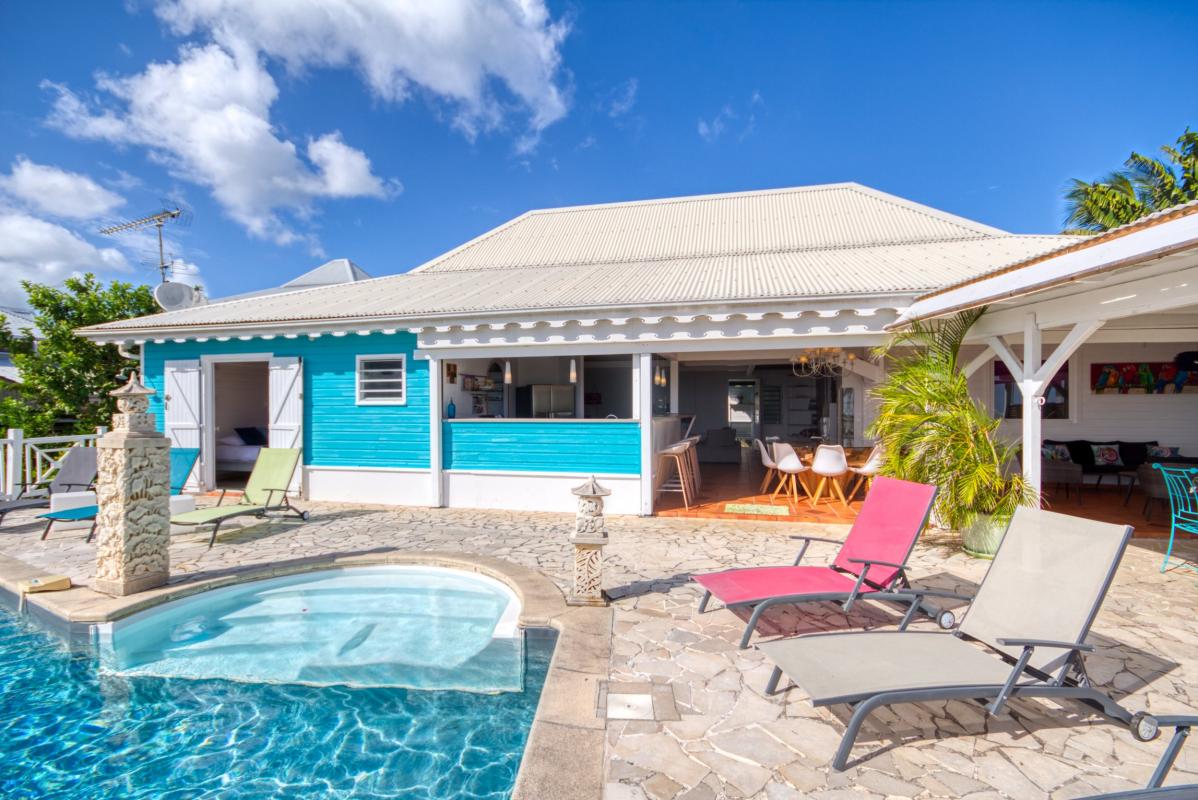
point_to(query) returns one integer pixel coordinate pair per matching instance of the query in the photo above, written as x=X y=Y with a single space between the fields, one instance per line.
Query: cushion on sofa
x=1106 y=455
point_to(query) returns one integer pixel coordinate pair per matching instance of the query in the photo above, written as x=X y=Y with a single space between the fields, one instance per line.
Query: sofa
x=719 y=446
x=1081 y=453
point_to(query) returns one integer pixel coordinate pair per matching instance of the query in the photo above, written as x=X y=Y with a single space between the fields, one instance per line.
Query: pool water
x=68 y=730
x=391 y=625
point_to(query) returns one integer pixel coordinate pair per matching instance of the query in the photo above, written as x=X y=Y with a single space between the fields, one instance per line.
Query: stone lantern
x=590 y=535
x=133 y=490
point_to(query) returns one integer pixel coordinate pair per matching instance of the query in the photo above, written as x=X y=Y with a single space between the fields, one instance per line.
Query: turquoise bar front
x=577 y=446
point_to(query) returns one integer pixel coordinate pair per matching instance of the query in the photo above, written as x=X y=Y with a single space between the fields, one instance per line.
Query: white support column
x=580 y=395
x=12 y=468
x=673 y=385
x=435 y=385
x=1032 y=390
x=642 y=382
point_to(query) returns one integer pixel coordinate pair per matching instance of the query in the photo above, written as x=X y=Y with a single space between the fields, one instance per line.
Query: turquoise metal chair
x=1183 y=501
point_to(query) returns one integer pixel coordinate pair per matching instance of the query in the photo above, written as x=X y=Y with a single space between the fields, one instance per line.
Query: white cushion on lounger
x=61 y=501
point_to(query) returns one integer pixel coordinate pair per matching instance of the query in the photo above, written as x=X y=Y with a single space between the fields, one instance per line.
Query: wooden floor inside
x=736 y=485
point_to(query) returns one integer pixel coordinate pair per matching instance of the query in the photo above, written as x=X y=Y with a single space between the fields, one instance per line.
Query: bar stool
x=696 y=472
x=830 y=464
x=679 y=456
x=864 y=474
x=789 y=467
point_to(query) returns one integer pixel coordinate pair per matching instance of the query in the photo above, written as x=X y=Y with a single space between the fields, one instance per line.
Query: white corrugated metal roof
x=788 y=244
x=779 y=220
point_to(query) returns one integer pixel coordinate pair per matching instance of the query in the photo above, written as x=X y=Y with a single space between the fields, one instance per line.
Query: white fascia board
x=796 y=307
x=1129 y=250
x=1152 y=295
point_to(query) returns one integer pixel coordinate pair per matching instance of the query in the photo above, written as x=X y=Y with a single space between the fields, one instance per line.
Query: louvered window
x=382 y=380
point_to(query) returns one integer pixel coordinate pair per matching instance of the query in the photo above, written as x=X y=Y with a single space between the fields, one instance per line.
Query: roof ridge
x=694 y=198
x=762 y=252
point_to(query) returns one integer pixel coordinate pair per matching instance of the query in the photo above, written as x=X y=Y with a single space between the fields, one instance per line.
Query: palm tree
x=933 y=431
x=1144 y=185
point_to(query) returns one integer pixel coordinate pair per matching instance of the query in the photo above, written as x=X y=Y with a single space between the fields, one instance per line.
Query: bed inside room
x=242 y=419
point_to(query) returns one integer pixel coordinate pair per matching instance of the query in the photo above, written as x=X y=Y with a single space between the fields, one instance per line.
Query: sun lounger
x=1146 y=728
x=266 y=490
x=76 y=473
x=871 y=560
x=1023 y=635
x=183 y=461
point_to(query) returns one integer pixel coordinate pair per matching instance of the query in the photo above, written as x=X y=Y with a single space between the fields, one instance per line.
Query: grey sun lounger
x=1146 y=728
x=76 y=473
x=1023 y=635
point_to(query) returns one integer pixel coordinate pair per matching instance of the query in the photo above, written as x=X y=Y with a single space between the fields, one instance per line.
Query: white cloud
x=58 y=192
x=207 y=118
x=451 y=49
x=714 y=128
x=346 y=171
x=624 y=99
x=37 y=250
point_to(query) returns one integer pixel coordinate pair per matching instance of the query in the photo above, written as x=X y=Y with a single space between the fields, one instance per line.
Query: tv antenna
x=157 y=220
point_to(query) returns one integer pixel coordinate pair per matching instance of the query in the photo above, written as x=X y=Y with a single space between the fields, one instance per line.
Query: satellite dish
x=173 y=295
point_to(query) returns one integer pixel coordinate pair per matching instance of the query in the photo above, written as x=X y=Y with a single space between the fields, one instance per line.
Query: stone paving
x=689 y=718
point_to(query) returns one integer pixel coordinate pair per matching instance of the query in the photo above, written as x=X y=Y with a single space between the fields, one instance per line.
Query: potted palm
x=933 y=431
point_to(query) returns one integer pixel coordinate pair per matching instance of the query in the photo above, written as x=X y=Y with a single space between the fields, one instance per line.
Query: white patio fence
x=27 y=461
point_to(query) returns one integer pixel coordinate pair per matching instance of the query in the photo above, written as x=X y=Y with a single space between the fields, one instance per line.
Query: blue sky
x=389 y=135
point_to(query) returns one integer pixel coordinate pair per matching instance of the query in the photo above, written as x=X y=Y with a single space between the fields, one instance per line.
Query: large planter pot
x=982 y=538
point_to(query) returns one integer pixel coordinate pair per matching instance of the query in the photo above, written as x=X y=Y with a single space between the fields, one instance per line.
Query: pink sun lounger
x=872 y=559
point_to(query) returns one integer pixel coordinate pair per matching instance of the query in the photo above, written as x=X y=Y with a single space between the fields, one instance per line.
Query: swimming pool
x=396 y=625
x=70 y=729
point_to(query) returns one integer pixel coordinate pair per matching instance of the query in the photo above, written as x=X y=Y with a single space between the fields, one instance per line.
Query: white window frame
x=381 y=401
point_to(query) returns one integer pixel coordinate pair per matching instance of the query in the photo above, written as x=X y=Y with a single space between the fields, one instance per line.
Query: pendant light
x=507 y=372
x=573 y=371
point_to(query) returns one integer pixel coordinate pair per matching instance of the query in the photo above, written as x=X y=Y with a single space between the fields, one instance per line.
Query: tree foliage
x=66 y=378
x=1144 y=185
x=933 y=431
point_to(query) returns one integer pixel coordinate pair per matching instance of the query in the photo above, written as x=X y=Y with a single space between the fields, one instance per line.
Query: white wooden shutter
x=182 y=405
x=287 y=406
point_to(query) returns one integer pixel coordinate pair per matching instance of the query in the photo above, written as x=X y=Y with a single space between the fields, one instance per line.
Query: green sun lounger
x=265 y=491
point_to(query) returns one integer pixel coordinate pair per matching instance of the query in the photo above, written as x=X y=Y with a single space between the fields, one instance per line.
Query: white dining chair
x=789 y=467
x=830 y=464
x=864 y=474
x=771 y=467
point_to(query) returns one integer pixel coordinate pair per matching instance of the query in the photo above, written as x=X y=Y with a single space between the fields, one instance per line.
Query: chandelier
x=821 y=362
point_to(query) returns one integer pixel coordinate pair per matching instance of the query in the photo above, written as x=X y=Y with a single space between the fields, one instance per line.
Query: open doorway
x=241 y=417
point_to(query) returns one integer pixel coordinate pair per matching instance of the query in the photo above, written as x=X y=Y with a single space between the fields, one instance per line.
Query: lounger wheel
x=1144 y=726
x=305 y=515
x=947 y=620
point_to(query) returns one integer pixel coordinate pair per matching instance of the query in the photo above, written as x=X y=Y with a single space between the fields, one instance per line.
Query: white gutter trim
x=827 y=307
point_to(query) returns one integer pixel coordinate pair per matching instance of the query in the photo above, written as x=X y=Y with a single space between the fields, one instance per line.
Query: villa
x=585 y=340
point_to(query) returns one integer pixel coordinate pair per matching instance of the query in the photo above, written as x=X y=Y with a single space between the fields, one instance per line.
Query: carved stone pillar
x=133 y=489
x=590 y=535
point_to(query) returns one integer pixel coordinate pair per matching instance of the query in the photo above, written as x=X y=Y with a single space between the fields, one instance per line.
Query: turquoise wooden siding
x=540 y=446
x=337 y=431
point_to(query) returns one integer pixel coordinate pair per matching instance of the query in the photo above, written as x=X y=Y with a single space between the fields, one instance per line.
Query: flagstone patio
x=686 y=712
